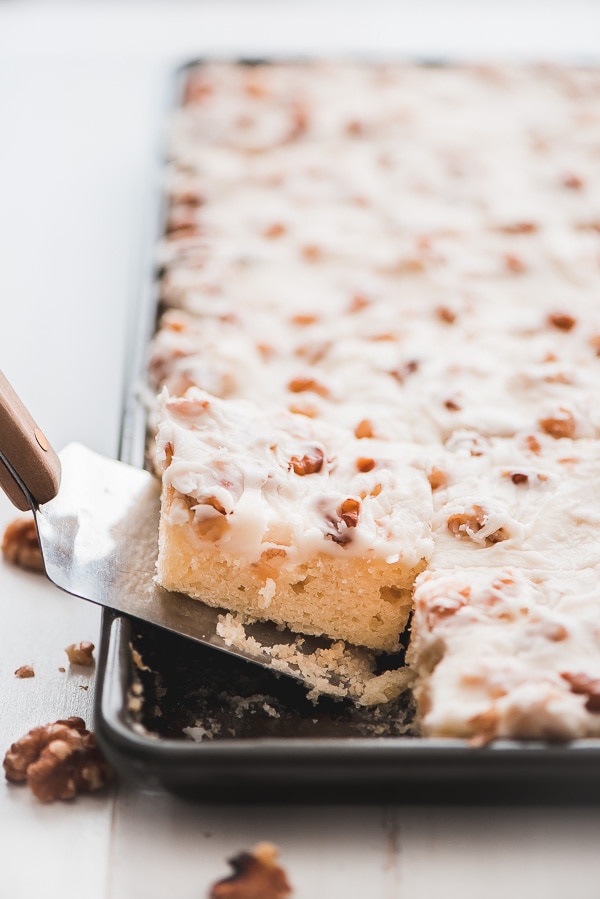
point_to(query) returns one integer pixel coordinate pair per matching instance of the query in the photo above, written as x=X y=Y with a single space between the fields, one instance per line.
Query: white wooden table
x=79 y=104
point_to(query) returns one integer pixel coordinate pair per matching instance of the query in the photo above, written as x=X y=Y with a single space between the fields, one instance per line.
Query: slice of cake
x=278 y=517
x=507 y=653
x=505 y=637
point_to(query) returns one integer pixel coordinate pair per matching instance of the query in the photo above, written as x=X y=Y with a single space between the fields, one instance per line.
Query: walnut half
x=58 y=761
x=20 y=545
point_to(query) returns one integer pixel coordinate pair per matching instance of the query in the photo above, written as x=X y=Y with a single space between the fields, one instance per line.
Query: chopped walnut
x=256 y=875
x=300 y=119
x=359 y=302
x=383 y=337
x=443 y=608
x=585 y=685
x=410 y=265
x=355 y=128
x=310 y=463
x=445 y=314
x=197 y=89
x=559 y=377
x=304 y=319
x=25 y=671
x=518 y=477
x=214 y=503
x=270 y=562
x=301 y=385
x=514 y=264
x=561 y=320
x=182 y=233
x=364 y=464
x=363 y=429
x=255 y=86
x=306 y=409
x=58 y=761
x=452 y=406
x=401 y=374
x=437 y=478
x=524 y=227
x=470 y=522
x=277 y=229
x=314 y=351
x=551 y=630
x=349 y=511
x=173 y=324
x=337 y=529
x=265 y=350
x=80 y=653
x=182 y=218
x=561 y=425
x=187 y=196
x=187 y=408
x=533 y=444
x=20 y=545
x=312 y=252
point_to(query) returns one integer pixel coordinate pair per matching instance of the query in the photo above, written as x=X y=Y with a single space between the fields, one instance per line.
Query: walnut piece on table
x=80 y=653
x=25 y=671
x=256 y=875
x=57 y=761
x=20 y=545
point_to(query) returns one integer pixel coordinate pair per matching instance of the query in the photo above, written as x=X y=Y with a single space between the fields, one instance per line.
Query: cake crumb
x=137 y=659
x=339 y=670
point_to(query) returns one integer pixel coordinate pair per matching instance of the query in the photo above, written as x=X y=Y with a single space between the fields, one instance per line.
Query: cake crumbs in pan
x=341 y=670
x=203 y=695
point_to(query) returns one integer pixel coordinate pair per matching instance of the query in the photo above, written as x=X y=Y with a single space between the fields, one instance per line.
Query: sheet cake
x=379 y=353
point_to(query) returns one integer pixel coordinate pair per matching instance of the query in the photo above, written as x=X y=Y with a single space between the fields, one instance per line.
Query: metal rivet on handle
x=41 y=440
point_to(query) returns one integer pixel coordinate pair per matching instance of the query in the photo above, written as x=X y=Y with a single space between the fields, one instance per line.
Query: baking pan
x=205 y=725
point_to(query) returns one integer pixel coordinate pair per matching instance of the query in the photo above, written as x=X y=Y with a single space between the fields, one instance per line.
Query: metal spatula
x=97 y=521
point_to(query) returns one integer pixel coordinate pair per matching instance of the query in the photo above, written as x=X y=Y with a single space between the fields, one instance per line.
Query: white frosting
x=513 y=646
x=233 y=460
x=544 y=501
x=417 y=189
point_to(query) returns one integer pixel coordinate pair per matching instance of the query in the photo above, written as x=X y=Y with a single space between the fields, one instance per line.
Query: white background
x=81 y=93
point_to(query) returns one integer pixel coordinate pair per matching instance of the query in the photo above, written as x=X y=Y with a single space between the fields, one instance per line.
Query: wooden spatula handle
x=26 y=451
